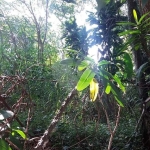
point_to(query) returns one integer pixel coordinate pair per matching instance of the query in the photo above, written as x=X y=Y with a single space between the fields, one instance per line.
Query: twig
x=12 y=144
x=79 y=142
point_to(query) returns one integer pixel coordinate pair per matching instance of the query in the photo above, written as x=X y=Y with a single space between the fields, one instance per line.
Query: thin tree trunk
x=54 y=122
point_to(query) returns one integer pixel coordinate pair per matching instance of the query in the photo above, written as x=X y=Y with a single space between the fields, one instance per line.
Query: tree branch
x=57 y=117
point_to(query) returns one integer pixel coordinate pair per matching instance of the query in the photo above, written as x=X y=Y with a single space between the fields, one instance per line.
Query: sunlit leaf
x=4 y=114
x=93 y=89
x=121 y=86
x=85 y=79
x=108 y=89
x=135 y=16
x=4 y=145
x=21 y=133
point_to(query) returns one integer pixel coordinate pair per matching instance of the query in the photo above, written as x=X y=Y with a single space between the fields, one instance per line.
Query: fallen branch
x=54 y=122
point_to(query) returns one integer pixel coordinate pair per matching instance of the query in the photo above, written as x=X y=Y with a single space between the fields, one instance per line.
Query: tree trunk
x=143 y=91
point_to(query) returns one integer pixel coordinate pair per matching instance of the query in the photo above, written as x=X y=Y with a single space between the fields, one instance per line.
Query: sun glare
x=81 y=21
x=81 y=18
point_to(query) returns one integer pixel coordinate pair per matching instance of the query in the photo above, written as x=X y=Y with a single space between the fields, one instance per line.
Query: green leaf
x=126 y=23
x=119 y=83
x=21 y=133
x=128 y=65
x=4 y=145
x=141 y=70
x=108 y=89
x=116 y=94
x=119 y=102
x=83 y=65
x=4 y=114
x=103 y=62
x=143 y=17
x=129 y=32
x=85 y=79
x=135 y=16
x=106 y=74
x=115 y=91
x=104 y=81
x=109 y=76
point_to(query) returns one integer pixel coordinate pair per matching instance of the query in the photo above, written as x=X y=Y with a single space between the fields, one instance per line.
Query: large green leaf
x=128 y=65
x=4 y=145
x=4 y=114
x=85 y=79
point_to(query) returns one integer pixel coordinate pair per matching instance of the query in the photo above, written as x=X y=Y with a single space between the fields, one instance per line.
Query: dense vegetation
x=54 y=96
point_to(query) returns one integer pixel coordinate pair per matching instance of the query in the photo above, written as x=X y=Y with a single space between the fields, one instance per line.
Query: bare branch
x=46 y=21
x=115 y=128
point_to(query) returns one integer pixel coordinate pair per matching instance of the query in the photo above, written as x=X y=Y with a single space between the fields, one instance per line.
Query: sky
x=80 y=18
